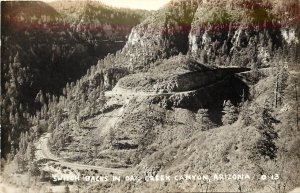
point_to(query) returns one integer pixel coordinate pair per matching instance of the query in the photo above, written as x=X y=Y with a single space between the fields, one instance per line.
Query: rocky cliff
x=237 y=33
x=161 y=35
x=241 y=33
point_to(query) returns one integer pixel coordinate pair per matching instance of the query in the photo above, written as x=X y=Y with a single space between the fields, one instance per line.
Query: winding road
x=43 y=152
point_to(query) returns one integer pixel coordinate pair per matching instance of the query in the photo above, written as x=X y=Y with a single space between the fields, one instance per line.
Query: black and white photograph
x=150 y=96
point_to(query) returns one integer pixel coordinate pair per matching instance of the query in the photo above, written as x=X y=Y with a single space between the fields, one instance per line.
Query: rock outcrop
x=237 y=33
x=161 y=35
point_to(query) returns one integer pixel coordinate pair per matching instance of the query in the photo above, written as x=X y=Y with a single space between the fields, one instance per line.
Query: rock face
x=170 y=82
x=161 y=35
x=238 y=33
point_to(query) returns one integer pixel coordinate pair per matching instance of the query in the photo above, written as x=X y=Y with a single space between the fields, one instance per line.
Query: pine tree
x=40 y=98
x=17 y=58
x=203 y=57
x=67 y=189
x=50 y=190
x=30 y=152
x=297 y=106
x=112 y=136
x=202 y=117
x=230 y=113
x=266 y=145
x=95 y=151
x=34 y=169
x=21 y=162
x=276 y=92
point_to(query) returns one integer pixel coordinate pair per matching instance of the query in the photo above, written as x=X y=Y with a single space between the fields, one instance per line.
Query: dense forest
x=198 y=86
x=44 y=48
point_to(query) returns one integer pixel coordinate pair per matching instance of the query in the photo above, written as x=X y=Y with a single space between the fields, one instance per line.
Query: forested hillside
x=44 y=48
x=200 y=87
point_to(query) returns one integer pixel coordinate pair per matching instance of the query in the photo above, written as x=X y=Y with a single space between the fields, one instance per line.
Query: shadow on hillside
x=213 y=97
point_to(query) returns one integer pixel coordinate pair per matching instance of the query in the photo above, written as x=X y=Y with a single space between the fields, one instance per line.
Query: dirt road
x=43 y=152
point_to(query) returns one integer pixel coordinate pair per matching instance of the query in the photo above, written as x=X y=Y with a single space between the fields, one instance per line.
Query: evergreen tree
x=30 y=152
x=203 y=57
x=112 y=136
x=67 y=189
x=21 y=162
x=34 y=169
x=266 y=145
x=95 y=151
x=230 y=113
x=202 y=117
x=50 y=190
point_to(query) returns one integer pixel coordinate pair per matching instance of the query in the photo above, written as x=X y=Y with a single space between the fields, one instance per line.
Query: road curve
x=43 y=152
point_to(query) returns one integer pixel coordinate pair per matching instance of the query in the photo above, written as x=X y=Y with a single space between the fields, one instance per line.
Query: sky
x=137 y=4
x=133 y=4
